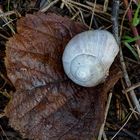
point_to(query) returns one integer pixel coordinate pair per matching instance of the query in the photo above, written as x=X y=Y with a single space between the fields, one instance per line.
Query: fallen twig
x=115 y=12
x=132 y=87
x=123 y=125
x=127 y=132
x=4 y=18
x=49 y=5
x=106 y=112
x=115 y=25
x=128 y=82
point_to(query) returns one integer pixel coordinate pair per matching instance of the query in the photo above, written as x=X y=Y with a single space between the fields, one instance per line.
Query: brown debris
x=47 y=105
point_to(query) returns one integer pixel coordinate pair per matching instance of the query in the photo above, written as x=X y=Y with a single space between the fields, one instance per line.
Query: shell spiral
x=88 y=57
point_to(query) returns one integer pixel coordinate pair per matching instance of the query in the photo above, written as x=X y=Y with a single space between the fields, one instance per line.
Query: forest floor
x=123 y=113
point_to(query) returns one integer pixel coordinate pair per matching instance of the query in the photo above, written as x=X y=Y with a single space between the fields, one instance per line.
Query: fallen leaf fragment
x=47 y=105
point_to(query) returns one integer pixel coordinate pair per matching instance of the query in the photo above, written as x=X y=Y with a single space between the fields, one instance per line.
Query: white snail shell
x=88 y=57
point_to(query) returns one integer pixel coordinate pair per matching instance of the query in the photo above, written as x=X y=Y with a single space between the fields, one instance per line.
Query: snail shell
x=88 y=57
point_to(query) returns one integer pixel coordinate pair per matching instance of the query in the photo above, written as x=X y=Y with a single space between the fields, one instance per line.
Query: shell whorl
x=88 y=57
x=82 y=72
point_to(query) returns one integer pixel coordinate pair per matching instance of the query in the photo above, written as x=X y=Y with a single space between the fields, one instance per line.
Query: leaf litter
x=46 y=104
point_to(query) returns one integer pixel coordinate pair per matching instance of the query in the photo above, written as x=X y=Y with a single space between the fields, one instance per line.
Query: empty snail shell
x=88 y=57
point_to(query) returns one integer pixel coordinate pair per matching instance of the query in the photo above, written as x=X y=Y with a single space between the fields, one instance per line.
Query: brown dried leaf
x=46 y=104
